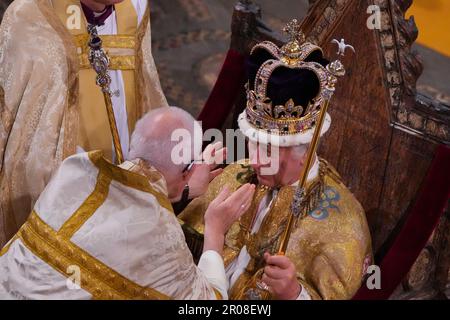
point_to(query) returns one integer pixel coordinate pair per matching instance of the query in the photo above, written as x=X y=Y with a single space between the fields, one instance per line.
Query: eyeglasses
x=188 y=168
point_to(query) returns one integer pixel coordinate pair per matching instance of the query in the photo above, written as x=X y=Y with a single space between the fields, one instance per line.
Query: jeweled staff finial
x=336 y=68
x=342 y=47
x=294 y=31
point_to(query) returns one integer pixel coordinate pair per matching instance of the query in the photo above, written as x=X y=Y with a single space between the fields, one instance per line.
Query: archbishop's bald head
x=152 y=137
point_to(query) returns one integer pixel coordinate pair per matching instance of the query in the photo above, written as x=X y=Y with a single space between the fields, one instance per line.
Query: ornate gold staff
x=335 y=69
x=100 y=63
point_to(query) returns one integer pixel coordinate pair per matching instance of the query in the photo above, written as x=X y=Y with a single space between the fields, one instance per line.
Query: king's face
x=276 y=166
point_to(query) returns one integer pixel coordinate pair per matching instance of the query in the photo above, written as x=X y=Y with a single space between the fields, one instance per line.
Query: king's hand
x=280 y=277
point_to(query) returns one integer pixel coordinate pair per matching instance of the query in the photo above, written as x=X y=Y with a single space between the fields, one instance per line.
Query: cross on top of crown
x=294 y=31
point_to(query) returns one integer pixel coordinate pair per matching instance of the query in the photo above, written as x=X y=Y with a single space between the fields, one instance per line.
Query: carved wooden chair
x=384 y=134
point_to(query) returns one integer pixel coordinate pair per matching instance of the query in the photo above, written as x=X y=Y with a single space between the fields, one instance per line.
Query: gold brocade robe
x=330 y=247
x=100 y=231
x=49 y=102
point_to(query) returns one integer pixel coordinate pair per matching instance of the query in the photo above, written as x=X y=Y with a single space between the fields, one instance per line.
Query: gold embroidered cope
x=329 y=246
x=56 y=248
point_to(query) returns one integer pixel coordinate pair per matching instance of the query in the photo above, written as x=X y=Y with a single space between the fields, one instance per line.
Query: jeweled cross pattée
x=294 y=31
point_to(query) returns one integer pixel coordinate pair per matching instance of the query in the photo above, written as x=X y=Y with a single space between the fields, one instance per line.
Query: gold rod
x=113 y=127
x=304 y=176
x=100 y=63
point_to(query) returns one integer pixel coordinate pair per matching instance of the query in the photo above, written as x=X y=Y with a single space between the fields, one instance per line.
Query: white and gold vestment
x=49 y=102
x=113 y=229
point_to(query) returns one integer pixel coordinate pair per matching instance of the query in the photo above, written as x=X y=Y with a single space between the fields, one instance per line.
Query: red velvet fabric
x=225 y=91
x=416 y=231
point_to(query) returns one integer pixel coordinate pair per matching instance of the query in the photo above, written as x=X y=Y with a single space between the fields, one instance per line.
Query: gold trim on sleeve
x=102 y=282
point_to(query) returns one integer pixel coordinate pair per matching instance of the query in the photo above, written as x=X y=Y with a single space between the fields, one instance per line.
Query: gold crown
x=289 y=118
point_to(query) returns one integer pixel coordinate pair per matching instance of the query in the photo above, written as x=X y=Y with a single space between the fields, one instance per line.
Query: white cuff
x=304 y=295
x=211 y=264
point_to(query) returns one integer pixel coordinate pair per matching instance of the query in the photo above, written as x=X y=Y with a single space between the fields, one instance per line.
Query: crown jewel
x=289 y=118
x=292 y=50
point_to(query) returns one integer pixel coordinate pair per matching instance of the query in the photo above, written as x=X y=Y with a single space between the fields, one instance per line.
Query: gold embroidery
x=140 y=167
x=116 y=62
x=97 y=278
x=267 y=238
x=120 y=52
x=273 y=223
x=128 y=178
x=328 y=254
x=108 y=41
x=89 y=206
x=139 y=77
x=120 y=49
x=71 y=108
x=107 y=172
x=228 y=255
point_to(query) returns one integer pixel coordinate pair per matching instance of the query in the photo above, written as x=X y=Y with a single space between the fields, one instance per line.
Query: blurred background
x=191 y=37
